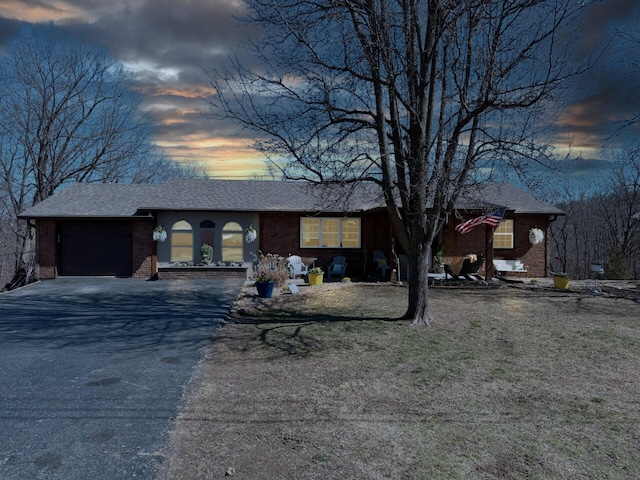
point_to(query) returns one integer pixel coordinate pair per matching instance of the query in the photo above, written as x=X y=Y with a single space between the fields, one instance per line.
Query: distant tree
x=618 y=209
x=413 y=96
x=68 y=114
x=628 y=42
x=576 y=239
x=602 y=222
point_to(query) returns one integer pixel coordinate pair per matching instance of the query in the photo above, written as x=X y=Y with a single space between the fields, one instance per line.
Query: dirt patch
x=520 y=382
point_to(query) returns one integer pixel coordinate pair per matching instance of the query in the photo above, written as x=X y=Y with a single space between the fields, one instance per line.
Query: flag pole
x=488 y=263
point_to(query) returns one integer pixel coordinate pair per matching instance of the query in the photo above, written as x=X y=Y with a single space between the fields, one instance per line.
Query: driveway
x=92 y=371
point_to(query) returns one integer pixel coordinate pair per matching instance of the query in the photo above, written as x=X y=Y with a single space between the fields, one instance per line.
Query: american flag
x=492 y=219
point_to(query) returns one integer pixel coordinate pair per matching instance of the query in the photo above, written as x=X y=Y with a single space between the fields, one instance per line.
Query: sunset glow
x=169 y=45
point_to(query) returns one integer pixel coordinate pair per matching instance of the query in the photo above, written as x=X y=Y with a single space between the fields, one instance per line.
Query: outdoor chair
x=338 y=267
x=381 y=261
x=467 y=269
x=296 y=267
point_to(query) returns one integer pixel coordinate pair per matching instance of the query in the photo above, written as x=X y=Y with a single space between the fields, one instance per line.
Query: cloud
x=599 y=101
x=168 y=43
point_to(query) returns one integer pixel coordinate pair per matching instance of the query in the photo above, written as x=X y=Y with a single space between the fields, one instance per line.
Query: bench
x=467 y=271
x=504 y=266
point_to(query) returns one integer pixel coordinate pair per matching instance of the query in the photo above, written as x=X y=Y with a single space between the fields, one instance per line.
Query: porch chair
x=296 y=267
x=381 y=261
x=466 y=268
x=338 y=266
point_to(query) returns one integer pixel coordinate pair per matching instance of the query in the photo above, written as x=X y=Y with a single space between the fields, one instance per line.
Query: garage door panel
x=96 y=248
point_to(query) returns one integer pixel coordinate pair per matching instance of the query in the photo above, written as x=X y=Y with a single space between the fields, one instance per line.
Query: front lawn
x=507 y=384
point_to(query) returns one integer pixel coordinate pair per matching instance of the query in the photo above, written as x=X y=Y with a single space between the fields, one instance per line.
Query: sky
x=168 y=43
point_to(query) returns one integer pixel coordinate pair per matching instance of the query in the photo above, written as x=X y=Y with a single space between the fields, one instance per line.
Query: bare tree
x=411 y=95
x=617 y=210
x=577 y=239
x=602 y=222
x=67 y=114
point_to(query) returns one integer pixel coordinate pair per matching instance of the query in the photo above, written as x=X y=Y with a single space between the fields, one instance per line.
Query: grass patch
x=507 y=384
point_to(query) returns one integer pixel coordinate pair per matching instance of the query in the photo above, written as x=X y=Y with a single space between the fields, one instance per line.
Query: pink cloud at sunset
x=169 y=45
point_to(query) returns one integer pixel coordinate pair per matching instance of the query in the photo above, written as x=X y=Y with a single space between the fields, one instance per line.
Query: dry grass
x=508 y=384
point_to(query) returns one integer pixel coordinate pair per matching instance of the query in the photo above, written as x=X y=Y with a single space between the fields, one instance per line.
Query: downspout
x=154 y=251
x=552 y=218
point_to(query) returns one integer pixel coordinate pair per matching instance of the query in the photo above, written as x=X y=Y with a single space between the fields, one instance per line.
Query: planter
x=265 y=289
x=439 y=268
x=536 y=236
x=561 y=283
x=315 y=278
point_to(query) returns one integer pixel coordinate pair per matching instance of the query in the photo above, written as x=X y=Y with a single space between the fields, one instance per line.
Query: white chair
x=338 y=267
x=381 y=261
x=296 y=267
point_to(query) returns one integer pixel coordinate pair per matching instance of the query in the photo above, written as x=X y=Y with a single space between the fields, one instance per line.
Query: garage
x=95 y=248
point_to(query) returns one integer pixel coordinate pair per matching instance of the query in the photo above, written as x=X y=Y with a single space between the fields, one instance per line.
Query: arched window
x=181 y=242
x=232 y=236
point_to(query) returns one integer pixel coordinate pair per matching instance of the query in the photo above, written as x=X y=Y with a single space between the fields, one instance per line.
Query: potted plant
x=264 y=285
x=159 y=234
x=207 y=253
x=536 y=236
x=316 y=276
x=561 y=280
x=438 y=262
x=270 y=271
x=250 y=234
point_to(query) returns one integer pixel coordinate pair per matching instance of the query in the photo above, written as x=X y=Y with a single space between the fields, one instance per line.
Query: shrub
x=271 y=267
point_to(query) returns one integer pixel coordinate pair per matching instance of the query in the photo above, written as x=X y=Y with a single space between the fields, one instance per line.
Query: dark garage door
x=96 y=248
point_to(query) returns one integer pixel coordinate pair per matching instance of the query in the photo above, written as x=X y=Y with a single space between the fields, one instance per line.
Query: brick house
x=106 y=229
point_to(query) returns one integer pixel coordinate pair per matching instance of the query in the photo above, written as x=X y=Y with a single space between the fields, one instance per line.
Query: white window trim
x=359 y=219
x=511 y=235
x=190 y=231
x=226 y=249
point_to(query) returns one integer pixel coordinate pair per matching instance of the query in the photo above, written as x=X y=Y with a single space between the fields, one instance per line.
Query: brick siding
x=47 y=248
x=534 y=257
x=142 y=249
x=185 y=273
x=280 y=234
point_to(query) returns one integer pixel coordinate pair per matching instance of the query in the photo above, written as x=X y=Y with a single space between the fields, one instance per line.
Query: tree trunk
x=418 y=309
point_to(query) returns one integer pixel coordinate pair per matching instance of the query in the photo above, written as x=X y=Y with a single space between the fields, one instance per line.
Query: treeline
x=602 y=223
x=68 y=113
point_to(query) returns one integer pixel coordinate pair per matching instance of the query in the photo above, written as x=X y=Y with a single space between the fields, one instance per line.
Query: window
x=232 y=247
x=329 y=232
x=503 y=235
x=181 y=242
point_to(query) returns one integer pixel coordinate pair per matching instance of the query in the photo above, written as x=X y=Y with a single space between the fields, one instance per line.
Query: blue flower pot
x=265 y=289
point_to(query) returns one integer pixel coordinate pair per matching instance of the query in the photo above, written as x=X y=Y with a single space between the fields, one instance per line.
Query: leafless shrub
x=271 y=267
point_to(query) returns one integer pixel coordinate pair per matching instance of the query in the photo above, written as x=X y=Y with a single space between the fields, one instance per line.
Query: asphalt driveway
x=92 y=371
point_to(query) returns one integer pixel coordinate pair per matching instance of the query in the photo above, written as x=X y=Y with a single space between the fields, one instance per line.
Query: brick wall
x=280 y=234
x=46 y=244
x=534 y=257
x=202 y=273
x=142 y=248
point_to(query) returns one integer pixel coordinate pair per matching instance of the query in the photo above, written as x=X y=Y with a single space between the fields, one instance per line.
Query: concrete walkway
x=92 y=371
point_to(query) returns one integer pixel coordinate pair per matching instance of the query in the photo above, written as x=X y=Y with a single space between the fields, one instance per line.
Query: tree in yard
x=414 y=96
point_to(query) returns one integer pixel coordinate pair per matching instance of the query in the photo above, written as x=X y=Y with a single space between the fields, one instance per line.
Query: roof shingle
x=127 y=200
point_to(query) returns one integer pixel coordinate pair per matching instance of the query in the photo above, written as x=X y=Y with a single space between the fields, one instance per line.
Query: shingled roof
x=504 y=195
x=128 y=200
